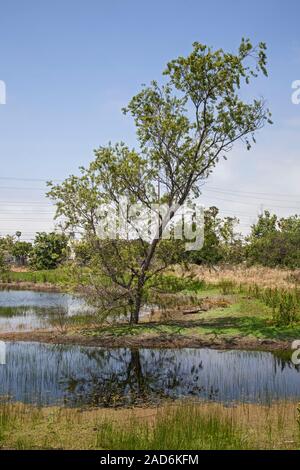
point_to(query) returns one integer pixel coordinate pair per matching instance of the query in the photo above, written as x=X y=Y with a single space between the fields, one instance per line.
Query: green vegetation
x=59 y=276
x=222 y=243
x=49 y=250
x=21 y=252
x=275 y=242
x=184 y=426
x=244 y=319
x=167 y=283
x=183 y=129
x=285 y=304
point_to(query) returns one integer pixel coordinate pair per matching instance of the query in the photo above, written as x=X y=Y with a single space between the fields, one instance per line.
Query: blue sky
x=70 y=66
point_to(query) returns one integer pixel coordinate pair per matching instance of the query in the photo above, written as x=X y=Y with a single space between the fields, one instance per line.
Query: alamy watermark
x=295 y=97
x=296 y=352
x=127 y=221
x=2 y=353
x=2 y=92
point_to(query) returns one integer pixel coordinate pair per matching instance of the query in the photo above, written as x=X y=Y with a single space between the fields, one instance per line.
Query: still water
x=84 y=376
x=28 y=310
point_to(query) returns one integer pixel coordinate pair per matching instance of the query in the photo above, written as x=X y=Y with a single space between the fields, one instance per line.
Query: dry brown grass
x=19 y=269
x=265 y=277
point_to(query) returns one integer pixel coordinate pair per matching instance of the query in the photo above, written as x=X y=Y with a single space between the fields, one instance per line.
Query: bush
x=49 y=250
x=285 y=304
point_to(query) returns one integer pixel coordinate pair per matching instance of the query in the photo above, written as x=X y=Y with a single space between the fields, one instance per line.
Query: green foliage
x=183 y=428
x=274 y=242
x=21 y=251
x=2 y=262
x=285 y=304
x=173 y=284
x=49 y=250
x=83 y=252
x=6 y=244
x=222 y=244
x=183 y=128
x=66 y=276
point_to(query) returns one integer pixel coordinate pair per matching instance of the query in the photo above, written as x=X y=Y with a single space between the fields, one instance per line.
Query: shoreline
x=162 y=340
x=147 y=341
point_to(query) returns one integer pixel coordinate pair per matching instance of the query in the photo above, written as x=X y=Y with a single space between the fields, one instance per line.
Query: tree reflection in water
x=138 y=380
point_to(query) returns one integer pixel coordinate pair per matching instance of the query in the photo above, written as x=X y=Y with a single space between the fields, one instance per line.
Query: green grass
x=64 y=276
x=180 y=429
x=37 y=277
x=245 y=318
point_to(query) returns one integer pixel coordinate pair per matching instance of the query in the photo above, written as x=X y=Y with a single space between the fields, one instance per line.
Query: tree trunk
x=135 y=314
x=134 y=317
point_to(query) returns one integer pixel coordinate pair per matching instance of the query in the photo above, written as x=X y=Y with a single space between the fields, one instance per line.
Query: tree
x=2 y=261
x=221 y=242
x=274 y=242
x=265 y=225
x=49 y=250
x=18 y=235
x=6 y=246
x=183 y=127
x=21 y=251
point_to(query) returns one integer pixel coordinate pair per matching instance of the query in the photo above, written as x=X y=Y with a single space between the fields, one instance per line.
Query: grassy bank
x=243 y=318
x=55 y=276
x=63 y=278
x=243 y=323
x=183 y=426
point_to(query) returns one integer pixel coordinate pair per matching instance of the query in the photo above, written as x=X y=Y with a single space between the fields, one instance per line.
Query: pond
x=47 y=374
x=28 y=310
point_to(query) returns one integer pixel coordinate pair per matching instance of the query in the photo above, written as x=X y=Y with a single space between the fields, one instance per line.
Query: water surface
x=28 y=310
x=73 y=375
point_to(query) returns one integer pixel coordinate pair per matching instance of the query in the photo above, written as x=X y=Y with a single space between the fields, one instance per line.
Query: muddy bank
x=148 y=341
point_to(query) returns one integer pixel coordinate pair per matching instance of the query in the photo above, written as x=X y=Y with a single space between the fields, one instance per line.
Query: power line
x=27 y=212
x=26 y=202
x=212 y=188
x=232 y=193
x=27 y=219
x=251 y=204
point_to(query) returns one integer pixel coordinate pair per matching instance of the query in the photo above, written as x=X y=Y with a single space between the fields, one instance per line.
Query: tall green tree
x=184 y=127
x=6 y=246
x=49 y=250
x=274 y=242
x=21 y=251
x=222 y=243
